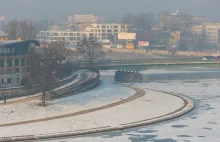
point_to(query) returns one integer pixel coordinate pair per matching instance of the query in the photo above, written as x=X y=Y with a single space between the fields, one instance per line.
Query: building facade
x=212 y=32
x=99 y=31
x=70 y=37
x=105 y=31
x=83 y=18
x=14 y=61
x=198 y=29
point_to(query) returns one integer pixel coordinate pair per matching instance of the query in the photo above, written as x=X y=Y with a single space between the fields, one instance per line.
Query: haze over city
x=109 y=70
x=58 y=10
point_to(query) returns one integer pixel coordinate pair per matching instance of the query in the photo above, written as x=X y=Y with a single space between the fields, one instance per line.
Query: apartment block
x=212 y=32
x=99 y=31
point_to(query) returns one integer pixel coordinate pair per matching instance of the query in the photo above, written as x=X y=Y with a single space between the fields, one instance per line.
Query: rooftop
x=13 y=42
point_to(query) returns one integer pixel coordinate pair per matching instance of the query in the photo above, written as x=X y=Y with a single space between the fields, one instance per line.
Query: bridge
x=155 y=65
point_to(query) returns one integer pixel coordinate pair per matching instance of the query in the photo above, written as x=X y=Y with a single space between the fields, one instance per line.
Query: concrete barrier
x=180 y=53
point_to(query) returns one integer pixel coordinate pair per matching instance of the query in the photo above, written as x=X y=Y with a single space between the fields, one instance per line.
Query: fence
x=79 y=87
x=181 y=53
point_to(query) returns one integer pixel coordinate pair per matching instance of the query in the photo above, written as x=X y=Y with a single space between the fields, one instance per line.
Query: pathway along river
x=200 y=125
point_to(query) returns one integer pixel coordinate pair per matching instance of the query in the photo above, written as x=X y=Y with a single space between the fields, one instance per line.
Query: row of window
x=60 y=34
x=9 y=62
x=104 y=30
x=8 y=81
x=7 y=50
x=11 y=71
x=213 y=29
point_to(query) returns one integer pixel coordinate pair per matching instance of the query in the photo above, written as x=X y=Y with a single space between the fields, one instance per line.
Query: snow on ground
x=202 y=125
x=104 y=94
x=151 y=105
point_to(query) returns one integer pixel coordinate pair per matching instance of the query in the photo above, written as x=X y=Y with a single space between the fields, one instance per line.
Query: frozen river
x=200 y=125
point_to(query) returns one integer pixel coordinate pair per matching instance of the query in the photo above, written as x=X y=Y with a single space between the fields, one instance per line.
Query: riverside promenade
x=107 y=108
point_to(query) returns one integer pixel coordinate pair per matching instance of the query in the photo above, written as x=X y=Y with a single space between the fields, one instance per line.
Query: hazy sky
x=61 y=9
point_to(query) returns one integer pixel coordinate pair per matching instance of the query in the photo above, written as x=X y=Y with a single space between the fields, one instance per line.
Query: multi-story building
x=198 y=29
x=14 y=61
x=212 y=32
x=105 y=31
x=199 y=19
x=70 y=37
x=179 y=20
x=99 y=31
x=84 y=18
x=54 y=28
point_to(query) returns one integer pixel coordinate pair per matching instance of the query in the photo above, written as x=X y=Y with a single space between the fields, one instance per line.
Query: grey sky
x=60 y=9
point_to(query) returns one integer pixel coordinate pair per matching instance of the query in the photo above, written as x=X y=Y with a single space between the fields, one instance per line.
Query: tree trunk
x=44 y=98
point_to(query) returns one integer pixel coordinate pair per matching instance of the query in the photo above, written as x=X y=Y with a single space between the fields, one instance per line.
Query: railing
x=79 y=87
x=23 y=91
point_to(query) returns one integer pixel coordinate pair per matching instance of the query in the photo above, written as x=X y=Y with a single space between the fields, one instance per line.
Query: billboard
x=127 y=36
x=143 y=43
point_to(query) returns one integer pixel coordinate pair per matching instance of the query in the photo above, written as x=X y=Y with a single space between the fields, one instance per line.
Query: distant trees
x=90 y=50
x=46 y=67
x=142 y=21
x=12 y=29
x=24 y=29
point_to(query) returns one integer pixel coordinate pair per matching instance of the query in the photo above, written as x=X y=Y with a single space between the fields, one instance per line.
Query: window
x=9 y=62
x=9 y=71
x=104 y=26
x=16 y=62
x=17 y=79
x=2 y=81
x=16 y=70
x=28 y=62
x=2 y=64
x=115 y=27
x=22 y=61
x=9 y=81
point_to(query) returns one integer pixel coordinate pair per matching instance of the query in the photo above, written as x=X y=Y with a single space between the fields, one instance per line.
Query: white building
x=212 y=32
x=99 y=31
x=198 y=29
x=105 y=31
x=83 y=18
x=70 y=37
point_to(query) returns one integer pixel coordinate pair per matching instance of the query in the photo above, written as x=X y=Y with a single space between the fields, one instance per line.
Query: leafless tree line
x=24 y=29
x=142 y=21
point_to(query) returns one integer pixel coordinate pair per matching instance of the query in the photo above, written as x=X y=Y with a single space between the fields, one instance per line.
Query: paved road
x=78 y=80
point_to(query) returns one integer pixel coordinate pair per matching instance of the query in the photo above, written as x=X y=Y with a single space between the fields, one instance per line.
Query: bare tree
x=142 y=21
x=12 y=29
x=25 y=29
x=46 y=67
x=90 y=50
